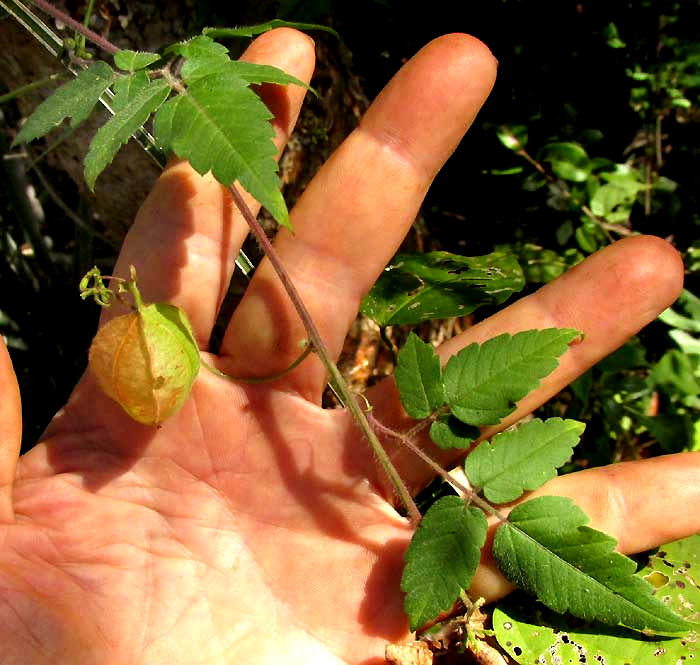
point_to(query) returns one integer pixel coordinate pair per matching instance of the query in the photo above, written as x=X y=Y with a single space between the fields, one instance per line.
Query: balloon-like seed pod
x=146 y=361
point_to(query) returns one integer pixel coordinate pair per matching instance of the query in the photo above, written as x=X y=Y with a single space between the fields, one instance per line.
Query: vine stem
x=96 y=39
x=407 y=440
x=346 y=395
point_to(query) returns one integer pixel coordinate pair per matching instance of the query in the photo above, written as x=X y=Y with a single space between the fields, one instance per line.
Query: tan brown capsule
x=146 y=361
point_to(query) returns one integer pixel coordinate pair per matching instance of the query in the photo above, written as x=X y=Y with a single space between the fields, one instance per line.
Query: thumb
x=10 y=431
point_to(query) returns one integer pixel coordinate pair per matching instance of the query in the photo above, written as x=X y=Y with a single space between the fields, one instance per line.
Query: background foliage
x=592 y=132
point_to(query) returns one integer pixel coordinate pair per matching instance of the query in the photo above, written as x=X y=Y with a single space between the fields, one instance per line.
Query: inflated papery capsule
x=146 y=361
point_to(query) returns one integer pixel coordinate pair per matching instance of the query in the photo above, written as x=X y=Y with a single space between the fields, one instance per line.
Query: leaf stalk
x=81 y=29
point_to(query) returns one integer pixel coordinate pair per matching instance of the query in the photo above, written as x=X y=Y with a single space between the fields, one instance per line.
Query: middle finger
x=358 y=208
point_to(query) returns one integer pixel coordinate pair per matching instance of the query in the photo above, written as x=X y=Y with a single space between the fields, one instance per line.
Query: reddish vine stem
x=319 y=347
x=407 y=440
x=96 y=39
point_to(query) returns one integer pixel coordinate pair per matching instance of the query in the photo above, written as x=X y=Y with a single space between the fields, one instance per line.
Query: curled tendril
x=92 y=284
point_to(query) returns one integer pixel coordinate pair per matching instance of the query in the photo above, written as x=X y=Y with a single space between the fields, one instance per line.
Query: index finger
x=187 y=234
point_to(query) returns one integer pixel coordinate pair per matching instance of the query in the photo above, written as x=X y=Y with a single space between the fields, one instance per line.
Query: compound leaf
x=419 y=378
x=483 y=383
x=133 y=113
x=131 y=61
x=75 y=100
x=546 y=549
x=442 y=558
x=418 y=287
x=523 y=458
x=220 y=125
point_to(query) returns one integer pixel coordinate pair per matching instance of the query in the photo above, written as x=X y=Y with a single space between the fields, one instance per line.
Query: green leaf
x=675 y=373
x=631 y=354
x=133 y=113
x=199 y=47
x=523 y=458
x=614 y=200
x=75 y=99
x=221 y=125
x=448 y=432
x=607 y=198
x=548 y=638
x=250 y=72
x=541 y=265
x=674 y=572
x=531 y=635
x=126 y=88
x=442 y=558
x=419 y=378
x=546 y=549
x=130 y=61
x=483 y=383
x=673 y=431
x=252 y=30
x=586 y=238
x=612 y=36
x=687 y=343
x=689 y=304
x=513 y=137
x=569 y=161
x=197 y=68
x=419 y=287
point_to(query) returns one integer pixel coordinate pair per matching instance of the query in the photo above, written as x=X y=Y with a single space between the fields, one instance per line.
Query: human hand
x=254 y=527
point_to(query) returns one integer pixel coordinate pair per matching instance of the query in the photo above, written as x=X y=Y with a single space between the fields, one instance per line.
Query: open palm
x=254 y=526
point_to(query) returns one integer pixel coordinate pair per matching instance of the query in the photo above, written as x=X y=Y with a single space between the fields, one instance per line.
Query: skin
x=254 y=527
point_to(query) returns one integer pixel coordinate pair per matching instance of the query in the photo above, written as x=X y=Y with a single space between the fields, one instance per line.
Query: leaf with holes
x=484 y=382
x=418 y=287
x=442 y=558
x=541 y=636
x=523 y=458
x=546 y=549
